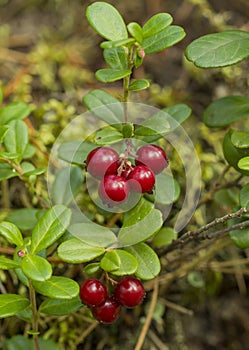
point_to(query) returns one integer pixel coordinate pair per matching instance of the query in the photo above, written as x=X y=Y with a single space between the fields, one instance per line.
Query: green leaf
x=219 y=49
x=109 y=74
x=179 y=112
x=139 y=84
x=139 y=212
x=29 y=152
x=16 y=139
x=163 y=39
x=11 y=233
x=226 y=111
x=116 y=58
x=20 y=342
x=67 y=185
x=167 y=189
x=107 y=136
x=142 y=230
x=93 y=234
x=36 y=268
x=75 y=251
x=50 y=227
x=11 y=304
x=57 y=288
x=119 y=263
x=92 y=268
x=128 y=130
x=243 y=163
x=164 y=237
x=25 y=219
x=240 y=237
x=7 y=172
x=154 y=125
x=157 y=24
x=148 y=261
x=136 y=31
x=106 y=21
x=117 y=43
x=104 y=106
x=13 y=111
x=240 y=139
x=6 y=264
x=3 y=131
x=244 y=196
x=75 y=151
x=60 y=307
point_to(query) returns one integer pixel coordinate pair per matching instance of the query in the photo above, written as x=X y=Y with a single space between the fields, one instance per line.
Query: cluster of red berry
x=119 y=176
x=129 y=292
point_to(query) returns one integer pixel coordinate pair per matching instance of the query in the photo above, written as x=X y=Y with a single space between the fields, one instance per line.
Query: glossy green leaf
x=139 y=84
x=60 y=307
x=107 y=136
x=13 y=111
x=157 y=24
x=243 y=163
x=164 y=237
x=244 y=196
x=11 y=232
x=25 y=219
x=16 y=139
x=75 y=151
x=178 y=113
x=104 y=106
x=142 y=230
x=93 y=234
x=25 y=315
x=11 y=304
x=6 y=264
x=219 y=49
x=119 y=262
x=108 y=75
x=240 y=238
x=67 y=184
x=154 y=125
x=240 y=139
x=226 y=110
x=163 y=39
x=167 y=189
x=148 y=261
x=6 y=171
x=3 y=131
x=106 y=21
x=20 y=342
x=117 y=43
x=50 y=227
x=92 y=268
x=36 y=268
x=136 y=31
x=57 y=288
x=116 y=58
x=75 y=251
x=139 y=212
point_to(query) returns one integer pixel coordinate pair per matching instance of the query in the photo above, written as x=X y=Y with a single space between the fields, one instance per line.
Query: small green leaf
x=139 y=84
x=60 y=307
x=164 y=237
x=11 y=233
x=36 y=268
x=154 y=125
x=157 y=24
x=116 y=58
x=111 y=261
x=6 y=264
x=148 y=261
x=240 y=139
x=128 y=130
x=107 y=136
x=108 y=75
x=244 y=196
x=219 y=49
x=11 y=304
x=50 y=227
x=16 y=139
x=25 y=219
x=7 y=172
x=136 y=31
x=106 y=21
x=75 y=151
x=139 y=212
x=67 y=184
x=240 y=238
x=57 y=288
x=92 y=268
x=13 y=111
x=117 y=43
x=243 y=163
x=3 y=131
x=104 y=106
x=119 y=263
x=226 y=110
x=75 y=251
x=163 y=39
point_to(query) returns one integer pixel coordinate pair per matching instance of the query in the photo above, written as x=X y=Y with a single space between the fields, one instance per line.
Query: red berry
x=129 y=292
x=143 y=179
x=153 y=157
x=102 y=161
x=93 y=292
x=113 y=189
x=108 y=312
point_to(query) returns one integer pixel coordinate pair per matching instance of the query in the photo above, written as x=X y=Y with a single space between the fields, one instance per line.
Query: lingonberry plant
x=126 y=157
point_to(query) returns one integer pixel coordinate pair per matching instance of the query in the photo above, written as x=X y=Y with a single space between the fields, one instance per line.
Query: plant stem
x=35 y=316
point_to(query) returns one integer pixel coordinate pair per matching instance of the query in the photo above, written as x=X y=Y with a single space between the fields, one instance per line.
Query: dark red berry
x=93 y=292
x=113 y=189
x=143 y=179
x=102 y=161
x=108 y=312
x=129 y=292
x=153 y=157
